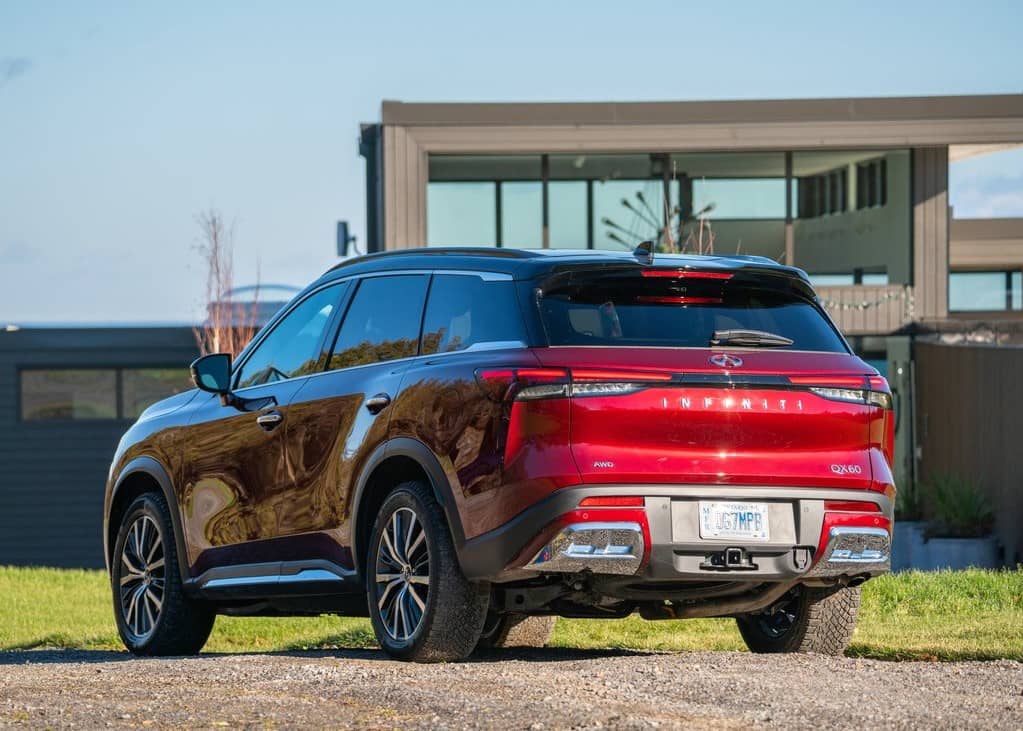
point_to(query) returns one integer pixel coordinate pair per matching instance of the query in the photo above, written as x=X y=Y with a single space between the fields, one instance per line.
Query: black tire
x=820 y=620
x=162 y=620
x=448 y=625
x=515 y=630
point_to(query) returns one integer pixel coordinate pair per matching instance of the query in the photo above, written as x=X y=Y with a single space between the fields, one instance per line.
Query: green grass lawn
x=927 y=616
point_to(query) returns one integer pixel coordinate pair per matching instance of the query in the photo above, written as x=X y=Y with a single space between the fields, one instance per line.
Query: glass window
x=627 y=212
x=567 y=214
x=143 y=387
x=522 y=215
x=293 y=348
x=635 y=311
x=854 y=212
x=984 y=291
x=465 y=310
x=740 y=198
x=461 y=214
x=63 y=394
x=382 y=322
x=832 y=280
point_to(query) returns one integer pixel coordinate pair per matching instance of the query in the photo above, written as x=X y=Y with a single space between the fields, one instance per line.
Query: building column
x=406 y=172
x=930 y=232
x=790 y=235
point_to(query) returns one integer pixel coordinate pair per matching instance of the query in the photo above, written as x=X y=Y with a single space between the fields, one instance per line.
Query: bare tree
x=229 y=325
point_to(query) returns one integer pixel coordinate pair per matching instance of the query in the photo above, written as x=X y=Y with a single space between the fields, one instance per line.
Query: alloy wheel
x=142 y=577
x=402 y=574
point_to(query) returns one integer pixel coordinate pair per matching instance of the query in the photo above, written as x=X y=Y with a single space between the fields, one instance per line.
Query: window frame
x=340 y=304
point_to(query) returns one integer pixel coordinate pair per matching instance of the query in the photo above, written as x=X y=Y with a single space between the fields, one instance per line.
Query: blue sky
x=119 y=122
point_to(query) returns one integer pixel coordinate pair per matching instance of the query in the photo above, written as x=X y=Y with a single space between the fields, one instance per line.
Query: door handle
x=270 y=420
x=375 y=404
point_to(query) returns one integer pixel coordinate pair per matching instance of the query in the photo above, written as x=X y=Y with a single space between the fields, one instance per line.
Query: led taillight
x=659 y=300
x=872 y=390
x=523 y=384
x=612 y=501
x=685 y=274
x=531 y=384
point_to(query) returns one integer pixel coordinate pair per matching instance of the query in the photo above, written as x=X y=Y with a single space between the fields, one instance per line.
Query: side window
x=382 y=322
x=293 y=348
x=465 y=310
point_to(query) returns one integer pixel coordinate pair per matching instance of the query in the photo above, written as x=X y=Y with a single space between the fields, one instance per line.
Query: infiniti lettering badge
x=726 y=361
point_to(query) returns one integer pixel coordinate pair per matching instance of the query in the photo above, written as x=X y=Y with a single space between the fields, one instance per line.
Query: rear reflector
x=851 y=506
x=602 y=501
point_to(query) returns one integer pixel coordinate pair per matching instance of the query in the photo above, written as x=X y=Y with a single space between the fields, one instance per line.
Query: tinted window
x=382 y=322
x=68 y=394
x=640 y=311
x=143 y=387
x=465 y=310
x=293 y=348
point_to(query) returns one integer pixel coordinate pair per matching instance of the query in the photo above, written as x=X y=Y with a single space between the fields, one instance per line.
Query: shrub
x=960 y=509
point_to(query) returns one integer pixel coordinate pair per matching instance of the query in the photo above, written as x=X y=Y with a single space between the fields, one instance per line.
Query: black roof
x=528 y=263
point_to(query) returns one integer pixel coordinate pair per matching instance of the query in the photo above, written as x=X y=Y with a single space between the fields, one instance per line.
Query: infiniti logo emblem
x=726 y=361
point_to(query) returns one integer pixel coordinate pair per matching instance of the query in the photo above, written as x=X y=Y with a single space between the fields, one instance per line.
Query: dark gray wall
x=52 y=475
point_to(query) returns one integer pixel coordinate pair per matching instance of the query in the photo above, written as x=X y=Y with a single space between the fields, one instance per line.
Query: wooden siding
x=54 y=473
x=969 y=423
x=986 y=243
x=405 y=176
x=868 y=309
x=930 y=232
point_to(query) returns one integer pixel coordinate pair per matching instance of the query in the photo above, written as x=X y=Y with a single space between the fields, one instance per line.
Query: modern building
x=854 y=191
x=67 y=394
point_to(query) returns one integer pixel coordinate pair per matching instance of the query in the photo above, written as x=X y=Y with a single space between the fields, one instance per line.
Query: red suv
x=467 y=443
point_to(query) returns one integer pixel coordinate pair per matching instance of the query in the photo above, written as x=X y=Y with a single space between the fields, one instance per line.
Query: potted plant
x=959 y=536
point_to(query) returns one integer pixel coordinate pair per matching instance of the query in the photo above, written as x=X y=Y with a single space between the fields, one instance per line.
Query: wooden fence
x=969 y=418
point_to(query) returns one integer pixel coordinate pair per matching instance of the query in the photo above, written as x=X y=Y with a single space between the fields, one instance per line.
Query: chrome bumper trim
x=854 y=550
x=603 y=548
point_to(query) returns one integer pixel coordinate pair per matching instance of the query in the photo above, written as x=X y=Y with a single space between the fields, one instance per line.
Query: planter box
x=961 y=553
x=908 y=548
x=912 y=552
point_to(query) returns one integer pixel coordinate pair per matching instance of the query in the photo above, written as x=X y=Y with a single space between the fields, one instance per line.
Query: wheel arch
x=143 y=475
x=395 y=461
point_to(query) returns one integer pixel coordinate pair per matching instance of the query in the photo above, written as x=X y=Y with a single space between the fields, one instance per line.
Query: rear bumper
x=659 y=541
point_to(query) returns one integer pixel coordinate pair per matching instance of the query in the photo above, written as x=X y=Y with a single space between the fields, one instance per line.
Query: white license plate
x=734 y=520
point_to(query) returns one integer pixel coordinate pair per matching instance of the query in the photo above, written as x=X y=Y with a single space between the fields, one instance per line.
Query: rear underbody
x=613 y=549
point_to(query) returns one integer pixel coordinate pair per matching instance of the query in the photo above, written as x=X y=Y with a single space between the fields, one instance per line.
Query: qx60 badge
x=726 y=361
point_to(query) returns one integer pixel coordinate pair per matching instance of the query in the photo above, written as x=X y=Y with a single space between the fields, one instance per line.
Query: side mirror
x=213 y=373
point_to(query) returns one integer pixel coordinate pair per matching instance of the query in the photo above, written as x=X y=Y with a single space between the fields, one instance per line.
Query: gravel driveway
x=527 y=689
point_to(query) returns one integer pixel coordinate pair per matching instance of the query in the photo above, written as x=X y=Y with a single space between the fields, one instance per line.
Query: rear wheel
x=516 y=630
x=808 y=619
x=421 y=605
x=154 y=617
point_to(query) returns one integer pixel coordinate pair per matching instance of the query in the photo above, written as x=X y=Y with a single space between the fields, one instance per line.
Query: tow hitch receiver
x=730 y=559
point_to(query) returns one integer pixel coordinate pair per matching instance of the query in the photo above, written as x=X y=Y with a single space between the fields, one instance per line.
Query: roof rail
x=485 y=251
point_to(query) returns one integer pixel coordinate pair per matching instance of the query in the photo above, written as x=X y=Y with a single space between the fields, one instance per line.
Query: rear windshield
x=631 y=310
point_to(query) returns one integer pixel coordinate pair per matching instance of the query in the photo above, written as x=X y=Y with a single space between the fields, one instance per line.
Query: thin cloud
x=12 y=68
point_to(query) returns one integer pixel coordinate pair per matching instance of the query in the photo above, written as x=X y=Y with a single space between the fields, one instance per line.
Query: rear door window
x=636 y=311
x=382 y=322
x=465 y=311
